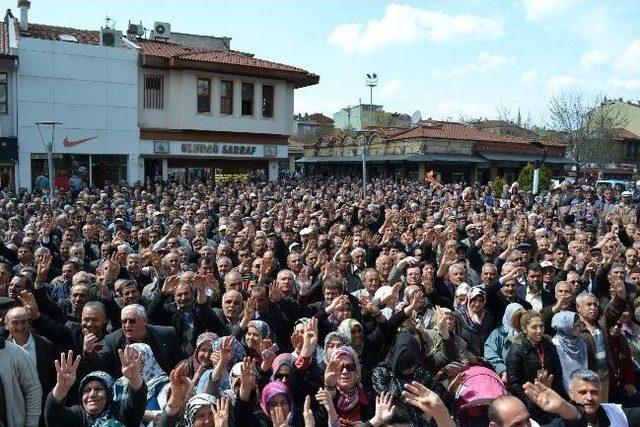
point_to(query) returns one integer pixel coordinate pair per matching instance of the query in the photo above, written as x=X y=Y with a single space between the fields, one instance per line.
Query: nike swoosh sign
x=69 y=143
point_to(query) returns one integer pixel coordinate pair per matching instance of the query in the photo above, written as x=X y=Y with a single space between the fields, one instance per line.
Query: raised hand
x=424 y=399
x=307 y=413
x=247 y=379
x=326 y=399
x=309 y=338
x=275 y=294
x=43 y=267
x=170 y=283
x=221 y=412
x=225 y=350
x=28 y=301
x=332 y=373
x=550 y=401
x=180 y=388
x=131 y=366
x=278 y=417
x=66 y=369
x=384 y=409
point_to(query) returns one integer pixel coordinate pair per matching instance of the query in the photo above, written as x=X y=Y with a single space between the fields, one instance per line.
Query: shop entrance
x=216 y=170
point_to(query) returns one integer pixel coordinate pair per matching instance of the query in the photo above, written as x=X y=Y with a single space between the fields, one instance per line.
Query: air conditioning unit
x=110 y=37
x=162 y=30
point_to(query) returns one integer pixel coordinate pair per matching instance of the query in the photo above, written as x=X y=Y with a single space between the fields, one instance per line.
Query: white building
x=134 y=109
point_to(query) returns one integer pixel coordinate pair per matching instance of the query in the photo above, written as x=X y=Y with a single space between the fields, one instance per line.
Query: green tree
x=525 y=179
x=497 y=184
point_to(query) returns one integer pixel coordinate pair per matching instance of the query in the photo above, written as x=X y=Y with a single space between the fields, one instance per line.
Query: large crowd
x=304 y=302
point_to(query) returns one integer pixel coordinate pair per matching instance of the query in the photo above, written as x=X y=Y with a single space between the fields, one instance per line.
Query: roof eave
x=297 y=78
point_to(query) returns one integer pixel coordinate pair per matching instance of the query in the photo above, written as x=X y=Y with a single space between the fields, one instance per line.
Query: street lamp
x=48 y=145
x=371 y=81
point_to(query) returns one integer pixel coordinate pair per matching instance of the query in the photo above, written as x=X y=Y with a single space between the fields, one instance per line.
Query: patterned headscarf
x=345 y=328
x=282 y=359
x=270 y=391
x=261 y=326
x=194 y=404
x=348 y=399
x=107 y=381
x=330 y=336
x=205 y=337
x=152 y=374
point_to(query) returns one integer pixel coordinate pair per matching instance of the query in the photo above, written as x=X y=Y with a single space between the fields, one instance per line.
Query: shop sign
x=218 y=149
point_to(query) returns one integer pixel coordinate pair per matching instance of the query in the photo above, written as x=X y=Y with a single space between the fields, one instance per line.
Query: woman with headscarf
x=96 y=395
x=474 y=323
x=570 y=345
x=444 y=345
x=257 y=331
x=497 y=345
x=402 y=366
x=200 y=360
x=154 y=377
x=343 y=380
x=219 y=379
x=332 y=341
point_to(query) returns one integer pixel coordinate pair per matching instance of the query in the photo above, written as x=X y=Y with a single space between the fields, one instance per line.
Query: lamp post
x=371 y=81
x=48 y=145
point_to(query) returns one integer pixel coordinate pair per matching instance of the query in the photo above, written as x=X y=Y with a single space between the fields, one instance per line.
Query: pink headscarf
x=271 y=390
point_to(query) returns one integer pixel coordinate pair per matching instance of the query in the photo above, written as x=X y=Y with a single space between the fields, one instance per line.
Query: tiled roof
x=320 y=118
x=460 y=131
x=625 y=134
x=175 y=55
x=52 y=32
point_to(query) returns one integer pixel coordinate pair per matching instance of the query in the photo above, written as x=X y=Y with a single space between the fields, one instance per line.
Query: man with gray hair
x=585 y=388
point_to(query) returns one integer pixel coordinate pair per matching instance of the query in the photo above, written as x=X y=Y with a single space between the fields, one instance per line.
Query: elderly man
x=21 y=394
x=135 y=328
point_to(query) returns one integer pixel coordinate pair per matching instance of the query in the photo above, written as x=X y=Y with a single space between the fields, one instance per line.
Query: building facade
x=454 y=151
x=179 y=106
x=8 y=111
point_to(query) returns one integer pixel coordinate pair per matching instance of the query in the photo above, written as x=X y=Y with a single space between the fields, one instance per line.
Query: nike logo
x=69 y=143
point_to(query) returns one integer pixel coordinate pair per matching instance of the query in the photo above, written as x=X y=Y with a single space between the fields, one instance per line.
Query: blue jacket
x=496 y=348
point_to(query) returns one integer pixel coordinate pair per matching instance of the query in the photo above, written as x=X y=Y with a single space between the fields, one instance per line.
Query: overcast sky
x=445 y=58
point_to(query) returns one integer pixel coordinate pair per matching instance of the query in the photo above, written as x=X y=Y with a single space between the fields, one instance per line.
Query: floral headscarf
x=194 y=404
x=348 y=399
x=472 y=321
x=330 y=336
x=152 y=374
x=261 y=326
x=282 y=359
x=205 y=337
x=107 y=381
x=270 y=391
x=345 y=328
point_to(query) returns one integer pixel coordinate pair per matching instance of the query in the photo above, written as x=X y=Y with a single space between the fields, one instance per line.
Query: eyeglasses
x=350 y=367
x=281 y=376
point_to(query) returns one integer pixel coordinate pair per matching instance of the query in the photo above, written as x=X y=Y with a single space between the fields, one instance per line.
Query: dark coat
x=523 y=365
x=162 y=340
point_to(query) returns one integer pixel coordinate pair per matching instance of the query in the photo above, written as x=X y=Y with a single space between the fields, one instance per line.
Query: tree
x=588 y=129
x=525 y=179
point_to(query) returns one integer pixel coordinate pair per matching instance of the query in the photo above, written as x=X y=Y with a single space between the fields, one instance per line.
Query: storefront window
x=69 y=169
x=108 y=168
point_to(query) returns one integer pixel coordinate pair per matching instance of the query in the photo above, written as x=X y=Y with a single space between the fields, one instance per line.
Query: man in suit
x=40 y=350
x=135 y=328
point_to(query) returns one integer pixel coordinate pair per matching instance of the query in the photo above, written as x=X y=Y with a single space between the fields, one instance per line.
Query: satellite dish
x=416 y=117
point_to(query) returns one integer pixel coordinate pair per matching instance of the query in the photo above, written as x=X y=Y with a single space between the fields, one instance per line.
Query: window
x=267 y=101
x=204 y=95
x=153 y=91
x=4 y=94
x=226 y=97
x=247 y=99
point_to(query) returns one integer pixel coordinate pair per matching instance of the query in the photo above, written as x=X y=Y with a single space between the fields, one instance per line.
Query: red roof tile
x=175 y=55
x=52 y=32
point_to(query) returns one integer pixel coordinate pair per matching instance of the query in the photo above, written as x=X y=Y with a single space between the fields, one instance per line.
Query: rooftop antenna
x=109 y=23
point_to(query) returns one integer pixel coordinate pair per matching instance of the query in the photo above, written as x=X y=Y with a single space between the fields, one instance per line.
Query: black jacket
x=523 y=364
x=162 y=340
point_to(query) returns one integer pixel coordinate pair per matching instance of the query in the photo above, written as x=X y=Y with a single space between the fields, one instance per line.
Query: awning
x=374 y=158
x=521 y=158
x=446 y=158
